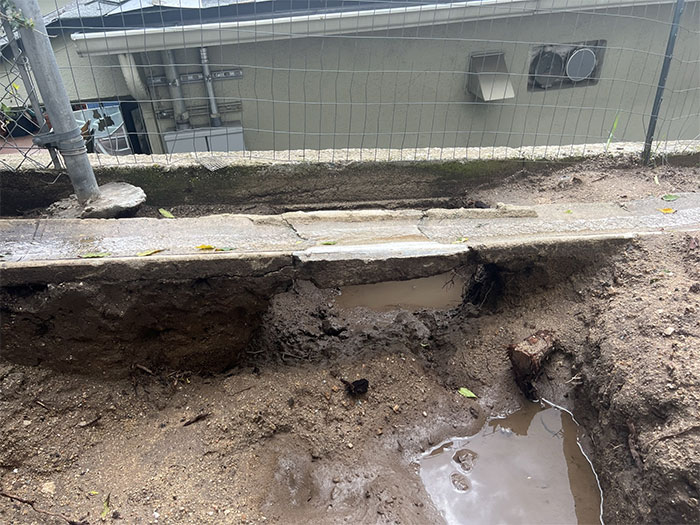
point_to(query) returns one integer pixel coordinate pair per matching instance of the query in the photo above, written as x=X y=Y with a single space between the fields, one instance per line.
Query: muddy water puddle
x=442 y=292
x=526 y=468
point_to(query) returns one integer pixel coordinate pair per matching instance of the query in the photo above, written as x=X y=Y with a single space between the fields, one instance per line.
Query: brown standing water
x=525 y=468
x=442 y=292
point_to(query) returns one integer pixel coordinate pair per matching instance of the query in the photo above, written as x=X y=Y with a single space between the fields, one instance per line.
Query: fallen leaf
x=105 y=508
x=225 y=249
x=667 y=210
x=94 y=255
x=146 y=253
x=165 y=213
x=329 y=243
x=656 y=179
x=466 y=393
x=205 y=247
x=669 y=197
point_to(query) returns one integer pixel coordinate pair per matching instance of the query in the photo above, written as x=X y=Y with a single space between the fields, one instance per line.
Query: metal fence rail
x=290 y=80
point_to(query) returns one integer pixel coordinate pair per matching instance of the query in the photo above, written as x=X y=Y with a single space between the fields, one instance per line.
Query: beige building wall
x=407 y=88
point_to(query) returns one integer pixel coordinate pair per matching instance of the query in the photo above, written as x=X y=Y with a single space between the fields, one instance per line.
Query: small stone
x=26 y=422
x=425 y=414
x=379 y=431
x=395 y=408
x=669 y=331
x=350 y=445
x=49 y=488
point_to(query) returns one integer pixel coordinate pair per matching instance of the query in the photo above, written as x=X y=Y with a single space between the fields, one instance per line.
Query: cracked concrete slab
x=338 y=234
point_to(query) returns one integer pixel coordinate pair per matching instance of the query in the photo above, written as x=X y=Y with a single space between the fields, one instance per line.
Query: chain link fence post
x=668 y=56
x=66 y=135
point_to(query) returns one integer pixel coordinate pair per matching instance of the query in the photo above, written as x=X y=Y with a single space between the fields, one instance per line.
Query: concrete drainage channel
x=253 y=355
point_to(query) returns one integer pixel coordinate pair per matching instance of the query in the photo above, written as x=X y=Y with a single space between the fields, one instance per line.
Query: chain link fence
x=337 y=80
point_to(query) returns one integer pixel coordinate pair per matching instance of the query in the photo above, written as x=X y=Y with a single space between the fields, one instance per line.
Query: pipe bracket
x=65 y=142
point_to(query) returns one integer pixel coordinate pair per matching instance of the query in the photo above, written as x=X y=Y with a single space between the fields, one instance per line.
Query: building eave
x=326 y=24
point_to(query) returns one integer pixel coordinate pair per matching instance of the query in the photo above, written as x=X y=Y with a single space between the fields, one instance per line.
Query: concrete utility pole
x=66 y=132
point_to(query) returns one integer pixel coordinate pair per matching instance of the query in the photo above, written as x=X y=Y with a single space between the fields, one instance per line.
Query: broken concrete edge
x=326 y=268
x=116 y=199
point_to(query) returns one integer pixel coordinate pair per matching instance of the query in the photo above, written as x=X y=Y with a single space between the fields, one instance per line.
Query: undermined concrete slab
x=190 y=305
x=199 y=312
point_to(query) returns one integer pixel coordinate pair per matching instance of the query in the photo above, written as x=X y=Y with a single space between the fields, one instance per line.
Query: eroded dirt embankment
x=275 y=437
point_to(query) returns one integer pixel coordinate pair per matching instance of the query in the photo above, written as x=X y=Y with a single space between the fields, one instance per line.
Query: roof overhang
x=338 y=23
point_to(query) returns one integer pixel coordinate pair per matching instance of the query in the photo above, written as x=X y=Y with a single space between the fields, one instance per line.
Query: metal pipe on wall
x=182 y=116
x=214 y=115
x=66 y=134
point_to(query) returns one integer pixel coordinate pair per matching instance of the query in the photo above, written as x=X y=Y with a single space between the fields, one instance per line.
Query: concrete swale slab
x=335 y=234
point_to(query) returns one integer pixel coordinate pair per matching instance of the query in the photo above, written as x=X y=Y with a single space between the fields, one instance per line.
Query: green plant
x=612 y=132
x=9 y=11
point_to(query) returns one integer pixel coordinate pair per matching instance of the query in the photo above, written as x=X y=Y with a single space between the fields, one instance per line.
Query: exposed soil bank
x=277 y=187
x=279 y=440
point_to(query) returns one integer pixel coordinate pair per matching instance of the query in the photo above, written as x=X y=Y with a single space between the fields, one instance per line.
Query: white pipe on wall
x=134 y=84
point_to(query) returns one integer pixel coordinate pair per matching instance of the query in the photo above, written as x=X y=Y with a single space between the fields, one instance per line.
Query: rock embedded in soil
x=527 y=358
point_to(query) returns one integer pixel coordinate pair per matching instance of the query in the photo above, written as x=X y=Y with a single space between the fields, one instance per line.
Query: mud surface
x=277 y=438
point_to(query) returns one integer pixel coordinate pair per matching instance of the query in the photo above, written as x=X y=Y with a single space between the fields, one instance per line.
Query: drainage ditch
x=224 y=398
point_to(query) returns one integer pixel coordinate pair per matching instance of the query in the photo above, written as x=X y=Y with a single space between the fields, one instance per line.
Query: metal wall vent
x=489 y=79
x=557 y=66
